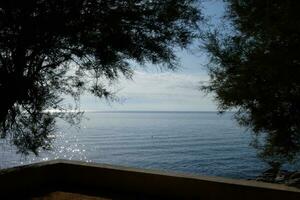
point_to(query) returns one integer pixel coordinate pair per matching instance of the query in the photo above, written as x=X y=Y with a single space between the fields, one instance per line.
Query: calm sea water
x=191 y=142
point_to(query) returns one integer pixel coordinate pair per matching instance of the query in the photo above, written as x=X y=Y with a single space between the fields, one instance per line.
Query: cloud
x=156 y=91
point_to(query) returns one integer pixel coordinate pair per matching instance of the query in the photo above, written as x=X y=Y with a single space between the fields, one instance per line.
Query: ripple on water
x=202 y=143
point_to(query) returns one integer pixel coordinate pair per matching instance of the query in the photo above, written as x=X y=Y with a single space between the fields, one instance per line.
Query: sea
x=203 y=143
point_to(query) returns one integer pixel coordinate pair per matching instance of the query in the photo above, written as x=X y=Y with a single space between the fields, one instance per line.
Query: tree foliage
x=255 y=69
x=65 y=47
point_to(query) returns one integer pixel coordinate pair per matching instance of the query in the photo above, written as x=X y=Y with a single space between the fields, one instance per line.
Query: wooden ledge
x=102 y=180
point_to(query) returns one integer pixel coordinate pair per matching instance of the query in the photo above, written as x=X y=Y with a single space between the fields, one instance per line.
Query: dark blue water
x=191 y=142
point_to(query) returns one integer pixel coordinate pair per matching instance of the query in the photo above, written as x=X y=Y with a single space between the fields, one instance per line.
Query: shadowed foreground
x=67 y=195
x=61 y=179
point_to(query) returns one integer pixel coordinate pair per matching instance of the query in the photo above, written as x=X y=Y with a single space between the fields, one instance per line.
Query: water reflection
x=65 y=146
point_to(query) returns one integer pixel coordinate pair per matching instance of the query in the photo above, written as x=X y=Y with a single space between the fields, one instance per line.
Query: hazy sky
x=154 y=90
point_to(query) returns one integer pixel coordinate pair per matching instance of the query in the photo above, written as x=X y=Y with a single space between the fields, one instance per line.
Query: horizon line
x=150 y=111
x=135 y=111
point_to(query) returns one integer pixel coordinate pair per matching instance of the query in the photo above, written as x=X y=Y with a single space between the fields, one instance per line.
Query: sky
x=153 y=89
